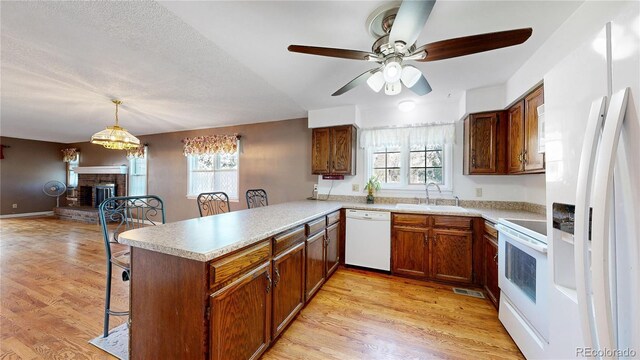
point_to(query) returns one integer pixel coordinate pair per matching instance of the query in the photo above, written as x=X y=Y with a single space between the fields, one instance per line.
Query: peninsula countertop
x=210 y=237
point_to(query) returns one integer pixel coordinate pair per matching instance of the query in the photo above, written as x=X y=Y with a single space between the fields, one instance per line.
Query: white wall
x=485 y=98
x=342 y=115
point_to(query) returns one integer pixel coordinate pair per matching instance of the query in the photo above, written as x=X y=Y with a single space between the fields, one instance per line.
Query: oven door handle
x=539 y=247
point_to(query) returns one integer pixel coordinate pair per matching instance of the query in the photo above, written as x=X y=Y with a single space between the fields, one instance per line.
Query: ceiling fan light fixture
x=392 y=71
x=410 y=75
x=392 y=88
x=376 y=81
x=406 y=105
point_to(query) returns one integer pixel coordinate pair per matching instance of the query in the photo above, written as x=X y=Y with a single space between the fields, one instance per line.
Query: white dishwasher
x=368 y=242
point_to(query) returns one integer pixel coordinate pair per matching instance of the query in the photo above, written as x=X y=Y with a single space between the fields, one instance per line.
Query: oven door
x=523 y=277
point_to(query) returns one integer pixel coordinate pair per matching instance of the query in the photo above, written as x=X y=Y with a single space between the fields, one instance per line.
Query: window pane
x=417 y=159
x=434 y=158
x=380 y=173
x=378 y=160
x=434 y=175
x=393 y=176
x=393 y=160
x=228 y=161
x=416 y=176
x=205 y=162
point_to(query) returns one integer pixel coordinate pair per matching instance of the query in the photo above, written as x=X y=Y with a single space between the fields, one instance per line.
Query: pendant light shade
x=115 y=137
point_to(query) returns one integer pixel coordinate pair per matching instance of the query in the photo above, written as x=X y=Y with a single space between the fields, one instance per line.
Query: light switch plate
x=355 y=187
x=478 y=192
x=15 y=206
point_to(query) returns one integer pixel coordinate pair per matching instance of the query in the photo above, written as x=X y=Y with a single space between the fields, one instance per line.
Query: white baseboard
x=41 y=213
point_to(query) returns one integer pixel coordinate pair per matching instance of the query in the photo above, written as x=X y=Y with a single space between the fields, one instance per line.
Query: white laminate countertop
x=210 y=237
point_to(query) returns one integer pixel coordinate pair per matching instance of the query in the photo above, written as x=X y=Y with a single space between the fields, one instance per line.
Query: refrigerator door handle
x=603 y=188
x=581 y=229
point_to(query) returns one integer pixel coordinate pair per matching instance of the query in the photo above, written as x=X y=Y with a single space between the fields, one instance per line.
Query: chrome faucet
x=457 y=200
x=426 y=190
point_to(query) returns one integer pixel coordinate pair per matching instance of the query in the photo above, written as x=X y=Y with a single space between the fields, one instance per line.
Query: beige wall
x=275 y=156
x=26 y=167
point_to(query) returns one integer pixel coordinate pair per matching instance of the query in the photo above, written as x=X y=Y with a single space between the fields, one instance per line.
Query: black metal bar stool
x=256 y=198
x=213 y=203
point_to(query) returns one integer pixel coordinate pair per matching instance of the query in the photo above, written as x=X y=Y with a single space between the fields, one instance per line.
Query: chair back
x=256 y=198
x=213 y=203
x=118 y=214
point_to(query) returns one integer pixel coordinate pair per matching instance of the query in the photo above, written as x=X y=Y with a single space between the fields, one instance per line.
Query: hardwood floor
x=52 y=294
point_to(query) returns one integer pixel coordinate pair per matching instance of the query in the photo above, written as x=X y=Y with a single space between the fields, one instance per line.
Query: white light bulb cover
x=392 y=88
x=410 y=75
x=406 y=105
x=392 y=71
x=376 y=81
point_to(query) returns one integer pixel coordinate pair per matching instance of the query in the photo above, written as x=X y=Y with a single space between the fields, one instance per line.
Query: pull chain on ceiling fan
x=397 y=29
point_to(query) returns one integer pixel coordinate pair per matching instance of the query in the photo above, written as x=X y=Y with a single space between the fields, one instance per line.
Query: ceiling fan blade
x=421 y=87
x=331 y=52
x=468 y=45
x=359 y=80
x=410 y=20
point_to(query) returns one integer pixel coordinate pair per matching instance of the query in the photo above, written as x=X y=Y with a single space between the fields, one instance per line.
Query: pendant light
x=115 y=137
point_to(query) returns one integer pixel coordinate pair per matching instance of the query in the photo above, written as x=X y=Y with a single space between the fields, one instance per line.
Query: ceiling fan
x=396 y=29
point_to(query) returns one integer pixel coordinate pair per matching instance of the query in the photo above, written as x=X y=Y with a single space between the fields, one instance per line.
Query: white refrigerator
x=592 y=143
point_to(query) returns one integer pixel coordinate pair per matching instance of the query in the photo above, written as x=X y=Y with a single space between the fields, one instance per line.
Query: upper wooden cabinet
x=333 y=150
x=485 y=143
x=523 y=156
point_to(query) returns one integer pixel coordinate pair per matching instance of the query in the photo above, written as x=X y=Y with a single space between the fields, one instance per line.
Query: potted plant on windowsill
x=372 y=186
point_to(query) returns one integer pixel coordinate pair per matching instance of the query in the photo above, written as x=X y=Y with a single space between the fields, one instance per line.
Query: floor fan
x=54 y=188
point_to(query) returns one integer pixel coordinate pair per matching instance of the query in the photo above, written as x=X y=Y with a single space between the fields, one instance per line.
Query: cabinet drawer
x=227 y=268
x=316 y=226
x=490 y=230
x=461 y=222
x=333 y=218
x=414 y=220
x=286 y=240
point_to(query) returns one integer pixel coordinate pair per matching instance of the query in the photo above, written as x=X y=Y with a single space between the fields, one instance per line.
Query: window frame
x=404 y=186
x=190 y=161
x=71 y=166
x=132 y=168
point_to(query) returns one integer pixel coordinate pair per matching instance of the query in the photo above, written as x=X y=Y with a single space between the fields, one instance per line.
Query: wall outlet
x=355 y=187
x=15 y=206
x=478 y=192
x=315 y=187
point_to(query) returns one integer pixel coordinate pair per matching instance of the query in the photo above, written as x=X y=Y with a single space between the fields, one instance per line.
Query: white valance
x=417 y=135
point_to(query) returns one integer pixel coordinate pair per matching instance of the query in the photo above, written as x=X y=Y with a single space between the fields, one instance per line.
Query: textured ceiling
x=188 y=65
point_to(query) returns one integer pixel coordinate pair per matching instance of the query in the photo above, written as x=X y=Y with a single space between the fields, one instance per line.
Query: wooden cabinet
x=522 y=154
x=333 y=241
x=410 y=252
x=452 y=255
x=288 y=287
x=240 y=325
x=490 y=263
x=485 y=143
x=315 y=263
x=333 y=150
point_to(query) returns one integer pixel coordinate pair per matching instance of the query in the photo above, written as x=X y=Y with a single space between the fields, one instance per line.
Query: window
x=72 y=176
x=213 y=172
x=411 y=167
x=138 y=175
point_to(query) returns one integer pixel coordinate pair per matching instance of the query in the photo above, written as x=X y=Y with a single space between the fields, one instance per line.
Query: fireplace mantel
x=110 y=169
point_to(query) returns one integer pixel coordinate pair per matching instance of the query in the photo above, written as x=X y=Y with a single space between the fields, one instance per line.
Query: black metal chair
x=118 y=214
x=213 y=203
x=256 y=198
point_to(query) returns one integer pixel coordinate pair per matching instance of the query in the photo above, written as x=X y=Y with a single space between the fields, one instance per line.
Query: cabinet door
x=490 y=257
x=240 y=324
x=315 y=263
x=533 y=161
x=483 y=143
x=341 y=147
x=409 y=252
x=452 y=255
x=515 y=141
x=333 y=240
x=320 y=151
x=288 y=287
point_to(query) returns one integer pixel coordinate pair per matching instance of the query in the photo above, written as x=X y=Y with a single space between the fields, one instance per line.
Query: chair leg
x=107 y=303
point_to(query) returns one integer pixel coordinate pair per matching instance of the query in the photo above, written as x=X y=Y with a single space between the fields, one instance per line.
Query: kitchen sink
x=417 y=207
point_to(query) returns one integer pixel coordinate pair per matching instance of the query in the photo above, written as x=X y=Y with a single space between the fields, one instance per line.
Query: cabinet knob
x=277 y=279
x=495 y=258
x=268 y=283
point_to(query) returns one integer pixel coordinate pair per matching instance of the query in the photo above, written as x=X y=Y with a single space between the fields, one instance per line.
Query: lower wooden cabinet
x=333 y=243
x=315 y=263
x=452 y=255
x=240 y=325
x=490 y=259
x=288 y=287
x=410 y=252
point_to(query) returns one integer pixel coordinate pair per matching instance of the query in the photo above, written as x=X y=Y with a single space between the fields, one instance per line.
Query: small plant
x=372 y=186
